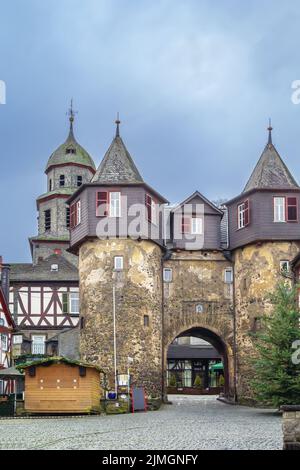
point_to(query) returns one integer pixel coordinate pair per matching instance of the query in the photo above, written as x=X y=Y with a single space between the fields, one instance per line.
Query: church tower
x=120 y=270
x=68 y=168
x=264 y=237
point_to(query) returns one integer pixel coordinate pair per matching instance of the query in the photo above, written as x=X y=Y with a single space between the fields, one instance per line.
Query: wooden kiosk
x=60 y=385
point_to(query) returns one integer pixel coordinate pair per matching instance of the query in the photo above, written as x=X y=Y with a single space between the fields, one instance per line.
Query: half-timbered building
x=7 y=326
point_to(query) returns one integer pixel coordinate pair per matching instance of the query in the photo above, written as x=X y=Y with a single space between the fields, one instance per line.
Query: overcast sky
x=194 y=81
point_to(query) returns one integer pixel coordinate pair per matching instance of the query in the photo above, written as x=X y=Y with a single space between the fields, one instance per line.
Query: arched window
x=62 y=180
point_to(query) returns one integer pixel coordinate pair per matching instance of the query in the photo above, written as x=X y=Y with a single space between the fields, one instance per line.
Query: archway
x=197 y=367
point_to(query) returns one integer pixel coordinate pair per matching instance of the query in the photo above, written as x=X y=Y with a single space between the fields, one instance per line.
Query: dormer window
x=62 y=180
x=243 y=214
x=70 y=150
x=54 y=268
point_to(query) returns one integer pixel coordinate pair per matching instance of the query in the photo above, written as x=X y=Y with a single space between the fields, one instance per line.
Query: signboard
x=138 y=399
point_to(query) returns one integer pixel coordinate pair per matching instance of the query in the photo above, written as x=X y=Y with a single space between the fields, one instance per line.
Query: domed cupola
x=70 y=152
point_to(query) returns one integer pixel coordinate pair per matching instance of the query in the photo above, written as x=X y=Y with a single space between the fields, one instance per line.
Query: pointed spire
x=71 y=113
x=270 y=128
x=118 y=122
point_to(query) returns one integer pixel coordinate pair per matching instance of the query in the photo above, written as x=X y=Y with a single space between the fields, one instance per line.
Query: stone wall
x=257 y=272
x=291 y=427
x=138 y=293
x=198 y=279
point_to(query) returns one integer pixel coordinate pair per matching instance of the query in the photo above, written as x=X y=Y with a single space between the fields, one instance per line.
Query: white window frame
x=241 y=215
x=4 y=342
x=115 y=204
x=74 y=299
x=226 y=271
x=279 y=209
x=168 y=277
x=38 y=343
x=153 y=212
x=282 y=264
x=118 y=263
x=17 y=339
x=196 y=226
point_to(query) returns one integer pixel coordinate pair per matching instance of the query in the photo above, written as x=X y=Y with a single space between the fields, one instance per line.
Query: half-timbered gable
x=44 y=299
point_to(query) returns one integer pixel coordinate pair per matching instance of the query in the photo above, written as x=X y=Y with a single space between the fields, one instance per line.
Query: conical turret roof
x=117 y=165
x=270 y=171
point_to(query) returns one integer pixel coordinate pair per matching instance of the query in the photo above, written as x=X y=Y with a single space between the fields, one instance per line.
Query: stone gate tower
x=264 y=237
x=120 y=273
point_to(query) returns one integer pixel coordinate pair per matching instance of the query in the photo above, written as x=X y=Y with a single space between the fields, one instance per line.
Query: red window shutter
x=148 y=207
x=102 y=204
x=291 y=209
x=186 y=225
x=247 y=212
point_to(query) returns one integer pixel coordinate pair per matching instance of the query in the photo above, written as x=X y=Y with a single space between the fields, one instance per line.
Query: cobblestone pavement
x=190 y=423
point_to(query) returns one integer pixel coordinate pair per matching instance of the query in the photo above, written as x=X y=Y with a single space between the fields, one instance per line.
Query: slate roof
x=177 y=351
x=60 y=157
x=117 y=165
x=41 y=271
x=270 y=172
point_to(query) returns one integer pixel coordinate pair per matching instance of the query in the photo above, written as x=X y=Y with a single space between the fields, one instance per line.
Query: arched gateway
x=223 y=349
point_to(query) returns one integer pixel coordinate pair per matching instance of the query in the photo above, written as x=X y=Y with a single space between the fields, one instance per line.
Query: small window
x=68 y=217
x=168 y=275
x=54 y=268
x=199 y=308
x=70 y=303
x=4 y=342
x=151 y=209
x=284 y=266
x=75 y=214
x=79 y=180
x=292 y=209
x=146 y=320
x=70 y=151
x=38 y=344
x=243 y=214
x=17 y=339
x=102 y=204
x=50 y=184
x=118 y=263
x=228 y=275
x=279 y=209
x=74 y=303
x=186 y=225
x=115 y=204
x=62 y=180
x=196 y=226
x=47 y=216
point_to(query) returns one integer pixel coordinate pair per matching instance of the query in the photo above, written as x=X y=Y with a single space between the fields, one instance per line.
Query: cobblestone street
x=190 y=423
